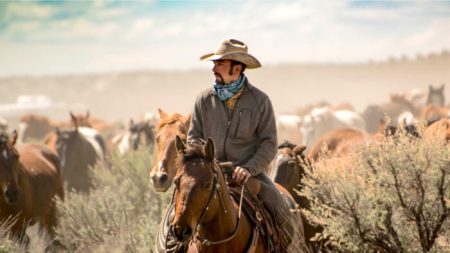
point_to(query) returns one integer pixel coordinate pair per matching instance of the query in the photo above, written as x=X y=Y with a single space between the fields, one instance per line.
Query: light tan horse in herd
x=165 y=166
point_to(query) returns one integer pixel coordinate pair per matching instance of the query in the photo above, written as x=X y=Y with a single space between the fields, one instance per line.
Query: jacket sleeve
x=195 y=132
x=267 y=140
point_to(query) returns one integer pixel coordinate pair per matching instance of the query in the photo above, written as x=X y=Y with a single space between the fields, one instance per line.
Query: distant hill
x=123 y=95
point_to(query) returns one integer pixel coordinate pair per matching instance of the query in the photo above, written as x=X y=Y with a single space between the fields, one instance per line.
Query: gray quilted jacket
x=245 y=136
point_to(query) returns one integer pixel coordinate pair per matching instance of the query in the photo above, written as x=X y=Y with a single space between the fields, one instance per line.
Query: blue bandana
x=226 y=91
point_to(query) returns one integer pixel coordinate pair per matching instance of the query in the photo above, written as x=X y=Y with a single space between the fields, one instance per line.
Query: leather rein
x=214 y=193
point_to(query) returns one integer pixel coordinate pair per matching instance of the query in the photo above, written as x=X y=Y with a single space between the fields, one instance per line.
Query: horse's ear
x=187 y=120
x=162 y=114
x=298 y=150
x=72 y=116
x=74 y=120
x=14 y=137
x=179 y=144
x=209 y=150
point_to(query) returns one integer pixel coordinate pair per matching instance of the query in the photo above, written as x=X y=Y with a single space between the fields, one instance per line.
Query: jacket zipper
x=238 y=123
x=230 y=118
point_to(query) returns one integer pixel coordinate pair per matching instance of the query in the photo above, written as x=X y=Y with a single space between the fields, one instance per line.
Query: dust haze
x=124 y=95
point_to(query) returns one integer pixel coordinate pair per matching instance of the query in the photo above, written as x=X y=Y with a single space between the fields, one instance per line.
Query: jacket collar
x=247 y=84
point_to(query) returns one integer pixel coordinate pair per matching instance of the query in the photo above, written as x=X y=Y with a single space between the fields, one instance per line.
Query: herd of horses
x=44 y=156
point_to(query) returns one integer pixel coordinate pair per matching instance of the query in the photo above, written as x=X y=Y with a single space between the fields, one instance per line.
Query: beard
x=219 y=79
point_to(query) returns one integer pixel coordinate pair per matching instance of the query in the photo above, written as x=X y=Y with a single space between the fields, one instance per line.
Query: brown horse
x=205 y=213
x=439 y=129
x=165 y=167
x=87 y=121
x=287 y=170
x=338 y=142
x=29 y=179
x=34 y=127
x=433 y=112
x=399 y=104
x=79 y=149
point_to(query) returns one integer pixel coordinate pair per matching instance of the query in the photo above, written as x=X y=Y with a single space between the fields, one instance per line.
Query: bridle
x=214 y=193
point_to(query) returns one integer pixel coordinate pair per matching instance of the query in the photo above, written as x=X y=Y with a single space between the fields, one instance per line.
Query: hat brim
x=249 y=60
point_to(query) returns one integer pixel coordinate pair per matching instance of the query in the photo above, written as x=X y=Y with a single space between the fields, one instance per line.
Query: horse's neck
x=224 y=221
x=435 y=98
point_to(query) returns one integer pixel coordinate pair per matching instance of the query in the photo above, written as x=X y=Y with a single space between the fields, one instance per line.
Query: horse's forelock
x=192 y=152
x=286 y=144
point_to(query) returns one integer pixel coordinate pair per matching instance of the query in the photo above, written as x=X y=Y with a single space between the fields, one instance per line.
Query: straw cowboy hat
x=233 y=50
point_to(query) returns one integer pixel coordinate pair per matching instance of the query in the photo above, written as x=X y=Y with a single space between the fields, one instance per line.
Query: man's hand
x=241 y=175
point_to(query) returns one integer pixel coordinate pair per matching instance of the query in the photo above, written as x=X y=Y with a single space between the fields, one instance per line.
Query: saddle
x=262 y=218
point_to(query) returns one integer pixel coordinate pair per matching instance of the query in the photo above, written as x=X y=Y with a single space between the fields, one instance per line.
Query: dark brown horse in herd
x=79 y=149
x=30 y=179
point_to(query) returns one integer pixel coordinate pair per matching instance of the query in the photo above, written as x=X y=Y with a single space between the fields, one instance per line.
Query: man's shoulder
x=205 y=93
x=258 y=93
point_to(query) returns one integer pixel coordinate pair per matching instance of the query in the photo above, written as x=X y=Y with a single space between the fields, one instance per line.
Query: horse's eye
x=176 y=181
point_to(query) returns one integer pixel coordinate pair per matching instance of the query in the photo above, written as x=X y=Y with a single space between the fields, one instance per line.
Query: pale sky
x=63 y=37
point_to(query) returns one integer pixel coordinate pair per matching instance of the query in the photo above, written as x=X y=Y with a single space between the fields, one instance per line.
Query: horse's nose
x=160 y=181
x=163 y=179
x=11 y=195
x=182 y=233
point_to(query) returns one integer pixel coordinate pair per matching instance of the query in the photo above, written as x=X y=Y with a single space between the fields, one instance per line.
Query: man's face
x=222 y=71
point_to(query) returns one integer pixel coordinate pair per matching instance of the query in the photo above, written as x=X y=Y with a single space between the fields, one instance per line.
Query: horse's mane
x=172 y=119
x=286 y=144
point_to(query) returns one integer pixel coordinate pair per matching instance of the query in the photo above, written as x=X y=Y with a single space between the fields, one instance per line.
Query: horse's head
x=165 y=167
x=436 y=95
x=196 y=183
x=9 y=168
x=287 y=167
x=34 y=126
x=69 y=144
x=81 y=119
x=134 y=130
x=139 y=130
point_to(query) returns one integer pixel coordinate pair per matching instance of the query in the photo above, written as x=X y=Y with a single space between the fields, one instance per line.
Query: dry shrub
x=7 y=244
x=122 y=212
x=390 y=195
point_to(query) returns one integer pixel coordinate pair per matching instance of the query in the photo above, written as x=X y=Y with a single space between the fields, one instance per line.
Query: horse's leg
x=47 y=227
x=18 y=232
